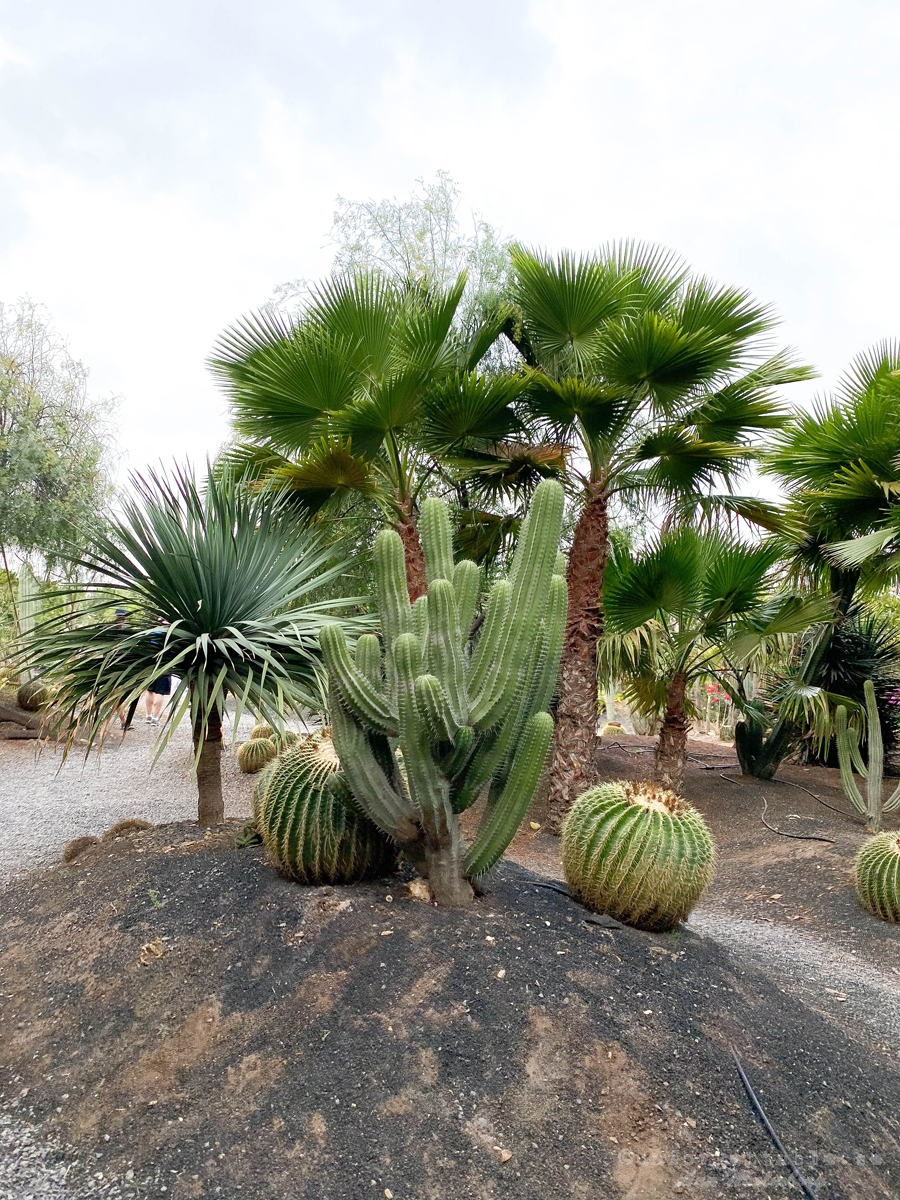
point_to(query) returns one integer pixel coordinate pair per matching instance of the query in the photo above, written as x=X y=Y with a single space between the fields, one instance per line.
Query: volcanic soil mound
x=179 y=1021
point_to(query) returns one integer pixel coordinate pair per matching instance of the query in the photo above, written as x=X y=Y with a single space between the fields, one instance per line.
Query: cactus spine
x=252 y=756
x=849 y=757
x=261 y=730
x=637 y=852
x=878 y=876
x=433 y=723
x=308 y=822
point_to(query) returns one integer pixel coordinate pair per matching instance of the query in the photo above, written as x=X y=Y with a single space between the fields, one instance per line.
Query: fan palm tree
x=840 y=465
x=656 y=383
x=691 y=606
x=368 y=392
x=218 y=583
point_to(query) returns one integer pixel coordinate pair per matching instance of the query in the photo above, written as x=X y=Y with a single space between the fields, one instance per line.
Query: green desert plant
x=839 y=463
x=637 y=852
x=849 y=756
x=364 y=393
x=33 y=695
x=654 y=383
x=253 y=755
x=309 y=824
x=688 y=607
x=218 y=580
x=878 y=876
x=284 y=740
x=261 y=730
x=427 y=727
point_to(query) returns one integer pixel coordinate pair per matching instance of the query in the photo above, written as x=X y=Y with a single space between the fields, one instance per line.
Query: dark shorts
x=161 y=686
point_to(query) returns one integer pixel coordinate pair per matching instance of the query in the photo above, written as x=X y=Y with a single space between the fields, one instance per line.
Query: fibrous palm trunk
x=210 y=803
x=407 y=527
x=672 y=744
x=575 y=737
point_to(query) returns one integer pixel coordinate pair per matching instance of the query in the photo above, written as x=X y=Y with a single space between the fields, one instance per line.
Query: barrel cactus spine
x=309 y=823
x=261 y=730
x=425 y=723
x=877 y=870
x=252 y=756
x=637 y=852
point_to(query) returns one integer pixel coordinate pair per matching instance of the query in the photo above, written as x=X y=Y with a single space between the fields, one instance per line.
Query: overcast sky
x=164 y=166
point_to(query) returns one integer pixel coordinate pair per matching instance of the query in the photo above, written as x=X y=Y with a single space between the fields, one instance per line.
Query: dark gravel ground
x=329 y=1044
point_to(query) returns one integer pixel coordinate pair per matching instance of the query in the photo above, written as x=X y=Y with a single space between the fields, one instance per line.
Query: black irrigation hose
x=839 y=811
x=604 y=921
x=767 y=1125
x=799 y=837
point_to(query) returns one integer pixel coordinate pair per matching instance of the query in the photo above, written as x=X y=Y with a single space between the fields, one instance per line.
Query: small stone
x=388 y=1194
x=535 y=825
x=501 y=974
x=503 y=1155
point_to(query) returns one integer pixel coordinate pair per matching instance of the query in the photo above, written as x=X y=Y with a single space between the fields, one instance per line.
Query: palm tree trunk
x=575 y=737
x=672 y=744
x=406 y=526
x=210 y=803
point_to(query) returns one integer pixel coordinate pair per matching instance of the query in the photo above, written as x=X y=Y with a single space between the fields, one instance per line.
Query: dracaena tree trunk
x=210 y=803
x=672 y=744
x=575 y=738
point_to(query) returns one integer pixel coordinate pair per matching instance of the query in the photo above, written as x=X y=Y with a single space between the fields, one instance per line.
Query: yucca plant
x=218 y=583
x=637 y=852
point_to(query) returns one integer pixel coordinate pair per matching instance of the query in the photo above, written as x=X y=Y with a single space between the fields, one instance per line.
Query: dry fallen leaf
x=152 y=950
x=534 y=825
x=418 y=889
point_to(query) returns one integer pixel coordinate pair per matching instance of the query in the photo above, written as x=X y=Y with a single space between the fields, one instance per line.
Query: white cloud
x=757 y=142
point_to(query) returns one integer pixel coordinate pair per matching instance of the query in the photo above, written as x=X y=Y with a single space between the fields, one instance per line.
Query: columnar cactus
x=308 y=822
x=252 y=756
x=878 y=876
x=637 y=852
x=434 y=718
x=849 y=757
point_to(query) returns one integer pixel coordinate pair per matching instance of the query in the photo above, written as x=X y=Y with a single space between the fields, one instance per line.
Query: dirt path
x=45 y=802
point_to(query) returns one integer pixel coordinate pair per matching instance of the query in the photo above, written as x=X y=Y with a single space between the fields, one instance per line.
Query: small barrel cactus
x=878 y=876
x=283 y=741
x=309 y=823
x=262 y=730
x=252 y=756
x=33 y=695
x=637 y=852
